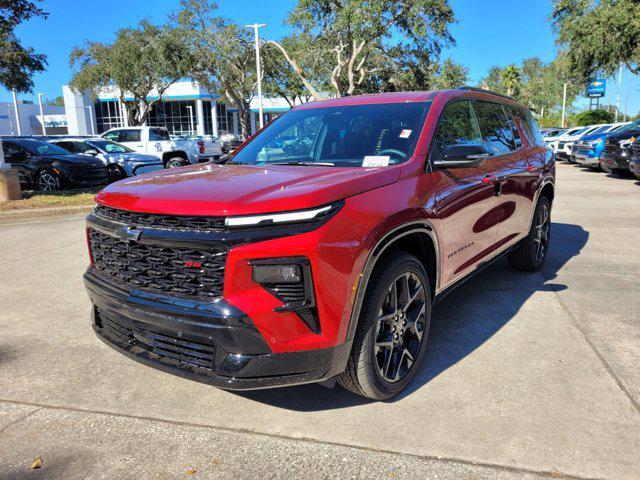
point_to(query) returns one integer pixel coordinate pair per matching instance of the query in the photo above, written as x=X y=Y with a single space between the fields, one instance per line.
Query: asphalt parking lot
x=526 y=376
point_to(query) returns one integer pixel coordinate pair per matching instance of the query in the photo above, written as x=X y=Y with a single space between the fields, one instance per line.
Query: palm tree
x=510 y=77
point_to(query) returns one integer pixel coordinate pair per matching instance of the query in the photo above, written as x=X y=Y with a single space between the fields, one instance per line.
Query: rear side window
x=496 y=129
x=158 y=134
x=457 y=126
x=130 y=136
x=530 y=127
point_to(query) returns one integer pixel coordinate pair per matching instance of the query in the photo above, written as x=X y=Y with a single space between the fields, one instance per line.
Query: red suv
x=319 y=248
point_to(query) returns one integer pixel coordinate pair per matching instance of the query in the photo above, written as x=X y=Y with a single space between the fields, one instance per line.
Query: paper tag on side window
x=405 y=133
x=376 y=161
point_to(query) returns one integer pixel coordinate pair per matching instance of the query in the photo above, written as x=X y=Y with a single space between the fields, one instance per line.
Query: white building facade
x=185 y=108
x=28 y=120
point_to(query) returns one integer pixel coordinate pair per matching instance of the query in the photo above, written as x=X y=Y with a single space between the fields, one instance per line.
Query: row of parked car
x=612 y=148
x=58 y=162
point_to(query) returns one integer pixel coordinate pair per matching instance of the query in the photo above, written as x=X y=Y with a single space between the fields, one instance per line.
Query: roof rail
x=482 y=90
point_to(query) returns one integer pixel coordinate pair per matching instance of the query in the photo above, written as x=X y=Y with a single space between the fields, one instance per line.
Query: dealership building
x=185 y=108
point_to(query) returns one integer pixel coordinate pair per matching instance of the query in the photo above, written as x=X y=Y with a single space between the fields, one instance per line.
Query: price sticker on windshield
x=405 y=133
x=376 y=161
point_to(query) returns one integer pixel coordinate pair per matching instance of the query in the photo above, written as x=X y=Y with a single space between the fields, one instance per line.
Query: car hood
x=625 y=135
x=75 y=159
x=131 y=157
x=214 y=189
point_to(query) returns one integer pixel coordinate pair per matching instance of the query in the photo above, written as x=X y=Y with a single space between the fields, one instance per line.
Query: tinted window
x=496 y=129
x=11 y=150
x=158 y=134
x=35 y=147
x=130 y=136
x=530 y=127
x=457 y=126
x=109 y=147
x=113 y=135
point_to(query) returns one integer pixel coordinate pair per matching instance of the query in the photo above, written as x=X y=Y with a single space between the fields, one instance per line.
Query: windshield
x=601 y=129
x=109 y=146
x=35 y=147
x=343 y=136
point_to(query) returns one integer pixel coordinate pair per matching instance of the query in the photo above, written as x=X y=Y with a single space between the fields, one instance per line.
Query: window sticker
x=405 y=133
x=376 y=161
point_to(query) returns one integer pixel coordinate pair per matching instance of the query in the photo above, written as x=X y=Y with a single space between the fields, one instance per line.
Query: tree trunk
x=296 y=68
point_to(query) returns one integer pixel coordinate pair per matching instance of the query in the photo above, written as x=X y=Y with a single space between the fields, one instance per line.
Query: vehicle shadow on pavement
x=468 y=317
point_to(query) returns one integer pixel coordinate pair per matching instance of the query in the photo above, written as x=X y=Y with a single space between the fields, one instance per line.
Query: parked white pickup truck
x=157 y=141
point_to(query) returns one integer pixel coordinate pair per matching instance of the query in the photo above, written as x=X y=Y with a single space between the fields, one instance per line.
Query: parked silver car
x=121 y=161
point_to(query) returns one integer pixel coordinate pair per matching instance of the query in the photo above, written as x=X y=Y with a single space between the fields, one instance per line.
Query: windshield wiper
x=305 y=164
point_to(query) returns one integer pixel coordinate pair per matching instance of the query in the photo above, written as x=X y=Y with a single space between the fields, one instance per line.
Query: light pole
x=618 y=93
x=44 y=127
x=190 y=108
x=93 y=132
x=255 y=27
x=15 y=106
x=564 y=101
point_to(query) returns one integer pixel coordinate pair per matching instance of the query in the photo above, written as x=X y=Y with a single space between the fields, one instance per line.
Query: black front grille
x=181 y=272
x=611 y=146
x=198 y=353
x=635 y=150
x=582 y=148
x=177 y=222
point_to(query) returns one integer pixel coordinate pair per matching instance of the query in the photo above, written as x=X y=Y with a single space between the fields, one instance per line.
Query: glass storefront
x=173 y=115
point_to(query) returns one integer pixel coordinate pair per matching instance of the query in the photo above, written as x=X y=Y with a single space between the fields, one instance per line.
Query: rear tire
x=391 y=336
x=175 y=162
x=532 y=252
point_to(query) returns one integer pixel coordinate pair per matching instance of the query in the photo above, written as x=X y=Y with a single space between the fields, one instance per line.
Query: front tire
x=391 y=336
x=48 y=181
x=605 y=168
x=531 y=254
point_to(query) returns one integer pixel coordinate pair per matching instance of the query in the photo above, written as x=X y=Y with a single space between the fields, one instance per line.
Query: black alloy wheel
x=393 y=326
x=400 y=327
x=48 y=181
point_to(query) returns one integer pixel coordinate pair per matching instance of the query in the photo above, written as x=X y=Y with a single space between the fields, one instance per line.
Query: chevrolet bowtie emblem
x=128 y=233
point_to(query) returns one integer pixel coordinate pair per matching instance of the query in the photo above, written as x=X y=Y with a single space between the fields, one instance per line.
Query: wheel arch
x=417 y=238
x=174 y=154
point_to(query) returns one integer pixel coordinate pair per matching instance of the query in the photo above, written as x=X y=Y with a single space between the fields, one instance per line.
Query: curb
x=32 y=214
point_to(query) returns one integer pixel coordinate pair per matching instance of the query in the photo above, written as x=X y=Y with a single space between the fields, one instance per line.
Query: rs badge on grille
x=128 y=233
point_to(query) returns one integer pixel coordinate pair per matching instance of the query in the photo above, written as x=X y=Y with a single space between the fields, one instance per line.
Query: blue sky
x=487 y=33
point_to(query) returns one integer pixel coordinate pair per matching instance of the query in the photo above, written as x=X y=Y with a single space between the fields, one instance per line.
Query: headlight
x=300 y=216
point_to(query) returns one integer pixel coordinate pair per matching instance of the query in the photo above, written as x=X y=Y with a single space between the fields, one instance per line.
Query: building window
x=174 y=116
x=108 y=115
x=208 y=122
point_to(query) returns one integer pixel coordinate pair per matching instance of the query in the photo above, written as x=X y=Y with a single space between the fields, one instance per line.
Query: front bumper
x=586 y=160
x=209 y=342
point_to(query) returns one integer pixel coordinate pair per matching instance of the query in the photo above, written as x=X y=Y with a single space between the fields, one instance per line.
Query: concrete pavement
x=525 y=375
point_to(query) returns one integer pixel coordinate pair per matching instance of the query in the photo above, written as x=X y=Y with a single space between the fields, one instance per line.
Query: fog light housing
x=286 y=273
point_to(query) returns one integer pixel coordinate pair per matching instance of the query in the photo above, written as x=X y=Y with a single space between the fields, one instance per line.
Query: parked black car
x=634 y=163
x=617 y=149
x=47 y=167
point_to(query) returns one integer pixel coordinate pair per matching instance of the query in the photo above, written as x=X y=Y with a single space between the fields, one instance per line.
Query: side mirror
x=463 y=156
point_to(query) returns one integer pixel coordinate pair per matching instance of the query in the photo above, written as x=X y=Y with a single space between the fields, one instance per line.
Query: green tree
x=510 y=79
x=450 y=74
x=359 y=37
x=142 y=63
x=56 y=102
x=17 y=63
x=222 y=55
x=598 y=35
x=593 y=117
